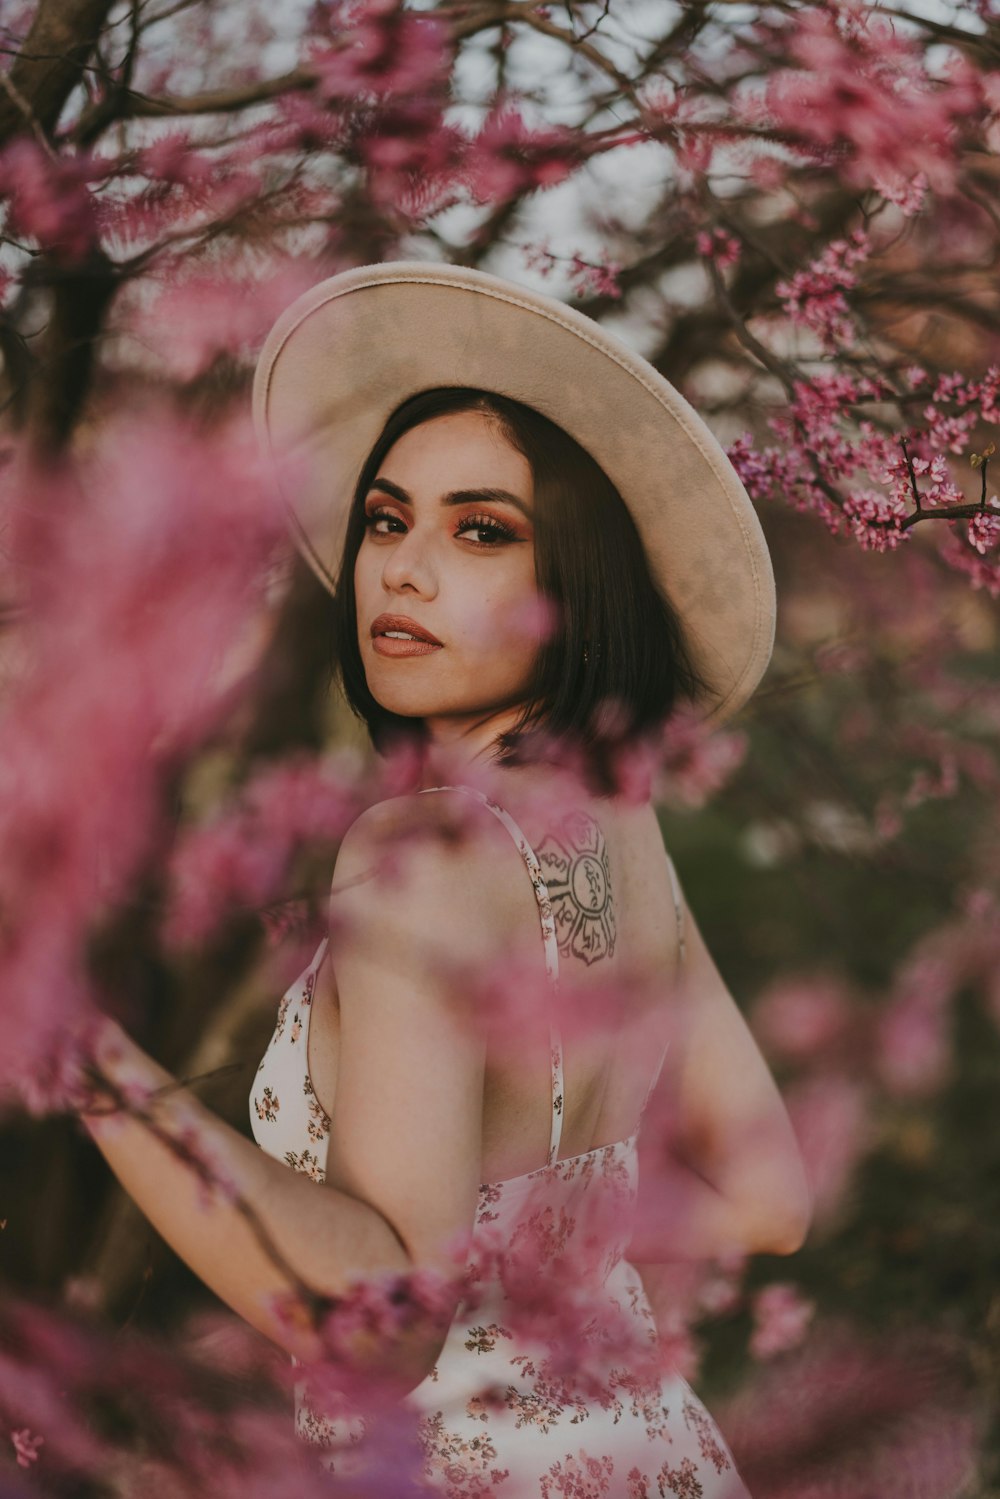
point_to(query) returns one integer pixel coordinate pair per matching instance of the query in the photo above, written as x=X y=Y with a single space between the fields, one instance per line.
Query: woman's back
x=506 y=1409
x=612 y=899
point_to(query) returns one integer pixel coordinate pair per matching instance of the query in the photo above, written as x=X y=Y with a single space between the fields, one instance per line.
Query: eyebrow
x=488 y=495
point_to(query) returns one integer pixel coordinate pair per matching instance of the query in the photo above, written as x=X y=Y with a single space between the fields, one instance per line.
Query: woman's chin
x=428 y=706
x=410 y=704
x=412 y=699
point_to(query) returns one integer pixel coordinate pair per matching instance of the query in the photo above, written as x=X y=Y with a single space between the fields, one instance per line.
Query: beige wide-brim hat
x=347 y=352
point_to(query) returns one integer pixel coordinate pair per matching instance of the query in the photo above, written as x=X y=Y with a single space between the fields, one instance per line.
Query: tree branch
x=48 y=69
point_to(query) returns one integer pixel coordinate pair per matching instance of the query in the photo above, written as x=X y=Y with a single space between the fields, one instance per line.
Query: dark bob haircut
x=589 y=561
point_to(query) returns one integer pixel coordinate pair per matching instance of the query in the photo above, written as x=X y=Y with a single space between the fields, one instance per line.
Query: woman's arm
x=724 y=1171
x=404 y=1155
x=688 y=1218
x=324 y=1236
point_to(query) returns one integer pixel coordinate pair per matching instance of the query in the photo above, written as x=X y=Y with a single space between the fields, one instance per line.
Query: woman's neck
x=456 y=746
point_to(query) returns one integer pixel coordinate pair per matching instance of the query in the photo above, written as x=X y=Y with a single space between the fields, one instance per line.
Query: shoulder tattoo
x=574 y=860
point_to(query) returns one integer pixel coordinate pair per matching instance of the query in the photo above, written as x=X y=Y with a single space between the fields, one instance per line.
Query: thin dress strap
x=681 y=949
x=549 y=943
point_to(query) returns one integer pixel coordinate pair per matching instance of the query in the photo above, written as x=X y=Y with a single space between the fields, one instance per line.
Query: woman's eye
x=491 y=531
x=382 y=523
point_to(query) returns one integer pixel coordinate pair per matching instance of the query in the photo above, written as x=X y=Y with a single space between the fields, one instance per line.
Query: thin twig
x=18 y=99
x=584 y=35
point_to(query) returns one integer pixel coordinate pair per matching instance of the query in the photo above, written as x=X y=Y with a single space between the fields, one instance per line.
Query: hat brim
x=347 y=352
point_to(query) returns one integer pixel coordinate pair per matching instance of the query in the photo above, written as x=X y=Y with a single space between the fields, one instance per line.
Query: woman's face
x=448 y=551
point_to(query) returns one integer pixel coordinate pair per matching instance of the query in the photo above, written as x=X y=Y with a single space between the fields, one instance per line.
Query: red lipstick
x=399 y=635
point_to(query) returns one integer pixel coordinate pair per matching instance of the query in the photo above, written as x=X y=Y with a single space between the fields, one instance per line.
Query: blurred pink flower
x=595 y=278
x=140 y=568
x=981 y=572
x=26 y=1446
x=508 y=156
x=781 y=1315
x=849 y=1415
x=239 y=859
x=829 y=1113
x=48 y=198
x=174 y=158
x=720 y=1294
x=913 y=1051
x=860 y=95
x=681 y=1351
x=800 y=1018
x=194 y=318
x=908 y=194
x=697 y=762
x=414 y=158
x=718 y=245
x=82 y=1384
x=380 y=48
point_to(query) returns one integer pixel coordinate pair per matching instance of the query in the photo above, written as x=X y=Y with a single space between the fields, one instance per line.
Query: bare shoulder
x=437 y=863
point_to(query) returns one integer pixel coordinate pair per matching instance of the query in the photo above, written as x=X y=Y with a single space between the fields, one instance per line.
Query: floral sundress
x=499 y=1417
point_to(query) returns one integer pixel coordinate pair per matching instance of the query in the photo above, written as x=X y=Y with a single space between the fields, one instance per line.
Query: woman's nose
x=409 y=564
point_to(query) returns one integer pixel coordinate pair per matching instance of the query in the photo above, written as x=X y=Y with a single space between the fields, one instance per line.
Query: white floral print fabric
x=499 y=1417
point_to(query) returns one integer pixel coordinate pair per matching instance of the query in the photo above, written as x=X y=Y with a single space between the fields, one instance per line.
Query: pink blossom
x=983 y=530
x=718 y=245
x=541 y=257
x=48 y=199
x=908 y=194
x=720 y=1294
x=194 y=318
x=26 y=1446
x=587 y=277
x=509 y=157
x=194 y=195
x=76 y=1381
x=240 y=858
x=860 y=95
x=380 y=48
x=300 y=122
x=413 y=157
x=925 y=784
x=875 y=519
x=756 y=467
x=682 y=1351
x=767 y=173
x=178 y=529
x=386 y=1307
x=845 y=1414
x=175 y=159
x=802 y=1018
x=697 y=762
x=595 y=278
x=781 y=1315
x=814 y=298
x=829 y=1113
x=982 y=572
x=913 y=1052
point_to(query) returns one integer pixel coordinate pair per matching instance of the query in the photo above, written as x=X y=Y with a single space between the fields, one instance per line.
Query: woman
x=535 y=548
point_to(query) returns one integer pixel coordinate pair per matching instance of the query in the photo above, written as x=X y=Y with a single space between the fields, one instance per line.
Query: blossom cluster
x=858 y=93
x=814 y=298
x=825 y=432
